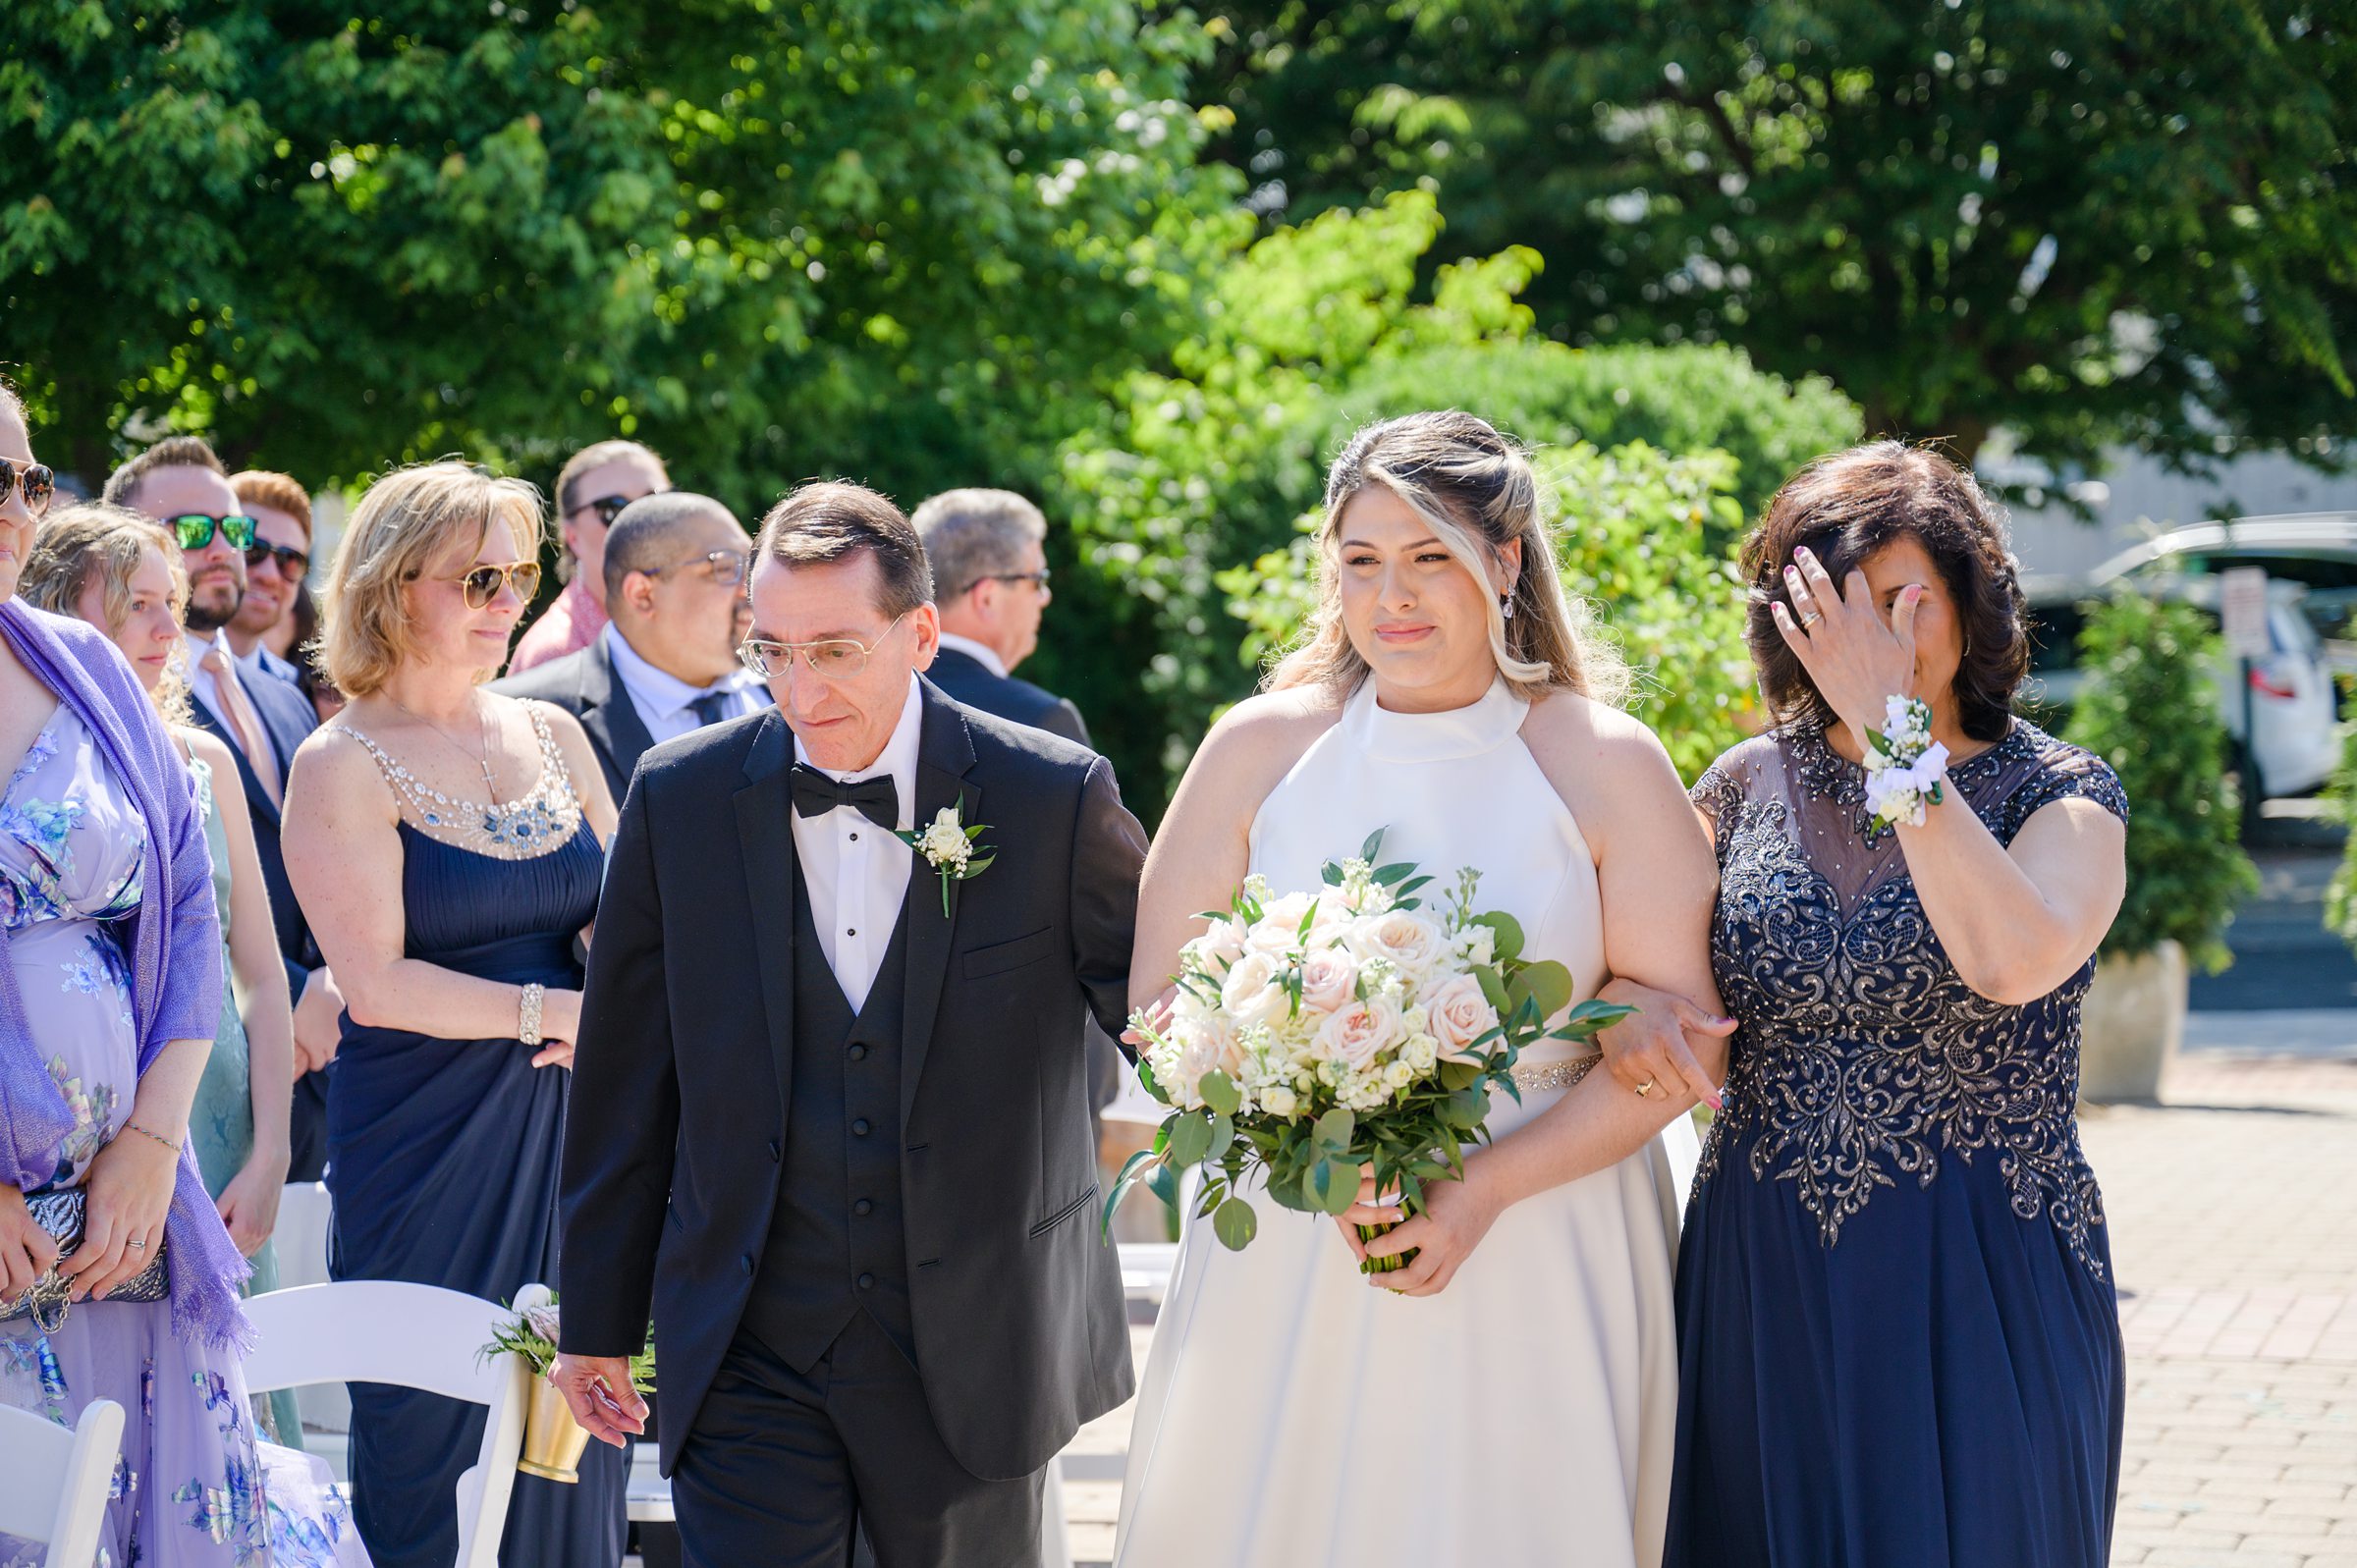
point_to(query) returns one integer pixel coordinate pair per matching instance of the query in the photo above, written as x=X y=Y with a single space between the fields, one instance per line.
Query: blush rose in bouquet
x=1316 y=1037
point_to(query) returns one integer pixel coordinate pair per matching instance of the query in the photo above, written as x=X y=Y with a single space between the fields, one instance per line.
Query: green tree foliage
x=2092 y=222
x=1209 y=464
x=772 y=238
x=2148 y=709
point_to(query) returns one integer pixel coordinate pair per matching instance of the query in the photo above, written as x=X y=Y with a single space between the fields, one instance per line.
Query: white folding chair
x=54 y=1479
x=412 y=1337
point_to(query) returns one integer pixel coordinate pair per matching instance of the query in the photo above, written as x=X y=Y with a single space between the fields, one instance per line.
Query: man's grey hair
x=645 y=534
x=974 y=534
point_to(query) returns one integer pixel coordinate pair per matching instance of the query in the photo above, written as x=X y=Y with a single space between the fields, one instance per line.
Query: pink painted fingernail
x=1914 y=593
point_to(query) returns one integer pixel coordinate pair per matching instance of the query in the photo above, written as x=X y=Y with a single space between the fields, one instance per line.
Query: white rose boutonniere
x=948 y=847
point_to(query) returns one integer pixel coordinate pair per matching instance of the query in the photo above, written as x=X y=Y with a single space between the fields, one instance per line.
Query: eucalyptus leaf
x=1234 y=1223
x=1190 y=1140
x=1334 y=1130
x=1508 y=944
x=1547 y=984
x=1220 y=1093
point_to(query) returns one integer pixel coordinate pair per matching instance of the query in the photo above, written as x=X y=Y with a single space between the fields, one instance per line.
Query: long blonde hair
x=97 y=540
x=405 y=522
x=1475 y=489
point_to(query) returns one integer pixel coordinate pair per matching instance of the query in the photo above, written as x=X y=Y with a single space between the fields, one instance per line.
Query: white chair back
x=54 y=1481
x=412 y=1336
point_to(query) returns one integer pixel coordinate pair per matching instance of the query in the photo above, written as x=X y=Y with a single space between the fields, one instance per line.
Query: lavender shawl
x=176 y=957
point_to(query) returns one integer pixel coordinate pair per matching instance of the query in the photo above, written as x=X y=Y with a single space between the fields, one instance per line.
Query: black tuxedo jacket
x=289 y=719
x=683 y=1066
x=584 y=684
x=966 y=678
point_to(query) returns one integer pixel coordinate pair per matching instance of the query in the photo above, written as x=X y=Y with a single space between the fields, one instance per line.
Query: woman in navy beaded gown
x=445 y=842
x=1898 y=1339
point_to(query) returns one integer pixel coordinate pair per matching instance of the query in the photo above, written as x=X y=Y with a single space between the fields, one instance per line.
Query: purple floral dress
x=192 y=1487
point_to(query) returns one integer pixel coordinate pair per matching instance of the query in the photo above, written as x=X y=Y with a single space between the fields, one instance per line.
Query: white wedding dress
x=1293 y=1415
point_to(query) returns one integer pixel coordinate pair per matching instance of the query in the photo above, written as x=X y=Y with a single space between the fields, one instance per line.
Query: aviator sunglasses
x=195 y=529
x=33 y=481
x=482 y=584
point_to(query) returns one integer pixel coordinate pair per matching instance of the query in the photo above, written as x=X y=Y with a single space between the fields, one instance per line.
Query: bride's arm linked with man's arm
x=1658 y=879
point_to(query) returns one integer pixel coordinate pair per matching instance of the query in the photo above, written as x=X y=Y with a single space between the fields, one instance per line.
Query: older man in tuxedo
x=830 y=1112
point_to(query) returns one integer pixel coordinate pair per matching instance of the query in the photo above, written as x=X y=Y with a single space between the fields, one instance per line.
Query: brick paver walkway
x=2234 y=1215
x=2233 y=1211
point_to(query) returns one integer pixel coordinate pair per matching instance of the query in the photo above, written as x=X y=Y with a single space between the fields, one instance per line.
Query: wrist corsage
x=1903 y=765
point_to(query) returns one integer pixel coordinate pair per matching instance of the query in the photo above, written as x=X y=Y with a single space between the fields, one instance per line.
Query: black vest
x=836 y=1242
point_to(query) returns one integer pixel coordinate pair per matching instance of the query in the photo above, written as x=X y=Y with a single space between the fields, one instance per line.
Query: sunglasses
x=195 y=529
x=292 y=563
x=727 y=566
x=482 y=584
x=607 y=508
x=1038 y=579
x=29 y=479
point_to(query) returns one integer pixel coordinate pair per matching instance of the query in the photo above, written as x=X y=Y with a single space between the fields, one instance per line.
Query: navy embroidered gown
x=1898 y=1339
x=442 y=1158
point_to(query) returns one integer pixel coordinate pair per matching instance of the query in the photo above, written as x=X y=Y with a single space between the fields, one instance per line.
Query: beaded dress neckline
x=540 y=822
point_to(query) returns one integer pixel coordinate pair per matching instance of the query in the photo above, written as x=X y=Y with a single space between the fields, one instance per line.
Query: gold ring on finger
x=1645 y=1088
x=1811 y=618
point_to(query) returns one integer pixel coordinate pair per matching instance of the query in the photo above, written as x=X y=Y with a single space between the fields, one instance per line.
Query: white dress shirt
x=662 y=698
x=979 y=652
x=200 y=679
x=858 y=874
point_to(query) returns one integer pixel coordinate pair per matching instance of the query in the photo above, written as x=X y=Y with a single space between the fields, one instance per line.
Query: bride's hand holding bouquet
x=1344 y=1043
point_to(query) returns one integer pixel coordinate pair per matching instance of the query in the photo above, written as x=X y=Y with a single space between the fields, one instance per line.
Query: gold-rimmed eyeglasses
x=830 y=658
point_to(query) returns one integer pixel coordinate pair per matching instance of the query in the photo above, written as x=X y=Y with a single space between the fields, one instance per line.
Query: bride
x=1514 y=1403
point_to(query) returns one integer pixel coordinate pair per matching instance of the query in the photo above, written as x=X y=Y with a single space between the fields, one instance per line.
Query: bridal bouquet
x=1317 y=1037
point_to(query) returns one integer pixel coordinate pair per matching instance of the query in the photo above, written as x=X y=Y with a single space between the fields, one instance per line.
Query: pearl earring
x=1505 y=605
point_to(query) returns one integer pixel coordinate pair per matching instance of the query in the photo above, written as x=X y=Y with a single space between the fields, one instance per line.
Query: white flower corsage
x=948 y=847
x=1904 y=765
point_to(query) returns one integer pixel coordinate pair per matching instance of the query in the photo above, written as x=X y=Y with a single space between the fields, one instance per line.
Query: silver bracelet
x=527 y=1015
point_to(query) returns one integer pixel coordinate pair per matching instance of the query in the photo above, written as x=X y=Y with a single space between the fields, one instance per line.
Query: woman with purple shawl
x=110 y=992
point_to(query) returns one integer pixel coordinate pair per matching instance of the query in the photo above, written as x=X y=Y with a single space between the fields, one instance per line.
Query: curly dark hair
x=1846 y=507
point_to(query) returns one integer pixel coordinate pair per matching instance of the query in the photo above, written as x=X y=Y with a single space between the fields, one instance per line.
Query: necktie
x=237 y=709
x=815 y=794
x=710 y=708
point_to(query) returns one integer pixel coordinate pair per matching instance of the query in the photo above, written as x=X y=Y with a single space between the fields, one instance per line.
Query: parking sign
x=2242 y=610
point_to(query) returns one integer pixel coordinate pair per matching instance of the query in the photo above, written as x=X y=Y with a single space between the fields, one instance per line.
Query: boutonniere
x=948 y=847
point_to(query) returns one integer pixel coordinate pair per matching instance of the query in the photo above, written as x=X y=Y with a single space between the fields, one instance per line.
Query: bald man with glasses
x=666 y=662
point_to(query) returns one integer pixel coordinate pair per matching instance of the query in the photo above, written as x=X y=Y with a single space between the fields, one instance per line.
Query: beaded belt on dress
x=1555 y=1074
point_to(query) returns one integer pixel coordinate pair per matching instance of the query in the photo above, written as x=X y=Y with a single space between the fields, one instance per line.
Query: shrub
x=2149 y=711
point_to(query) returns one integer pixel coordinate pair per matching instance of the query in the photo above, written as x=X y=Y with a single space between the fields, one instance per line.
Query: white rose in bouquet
x=1329 y=980
x=1355 y=1036
x=1250 y=995
x=1220 y=947
x=1457 y=1014
x=1412 y=944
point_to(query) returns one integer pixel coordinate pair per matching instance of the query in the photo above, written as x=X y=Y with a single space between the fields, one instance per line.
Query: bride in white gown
x=1515 y=1405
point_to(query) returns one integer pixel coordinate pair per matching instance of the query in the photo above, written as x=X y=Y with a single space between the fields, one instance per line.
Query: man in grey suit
x=991 y=567
x=666 y=664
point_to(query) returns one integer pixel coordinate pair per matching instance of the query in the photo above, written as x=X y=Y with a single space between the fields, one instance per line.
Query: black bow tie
x=815 y=794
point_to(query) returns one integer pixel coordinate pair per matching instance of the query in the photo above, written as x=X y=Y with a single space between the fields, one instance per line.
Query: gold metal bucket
x=553 y=1440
